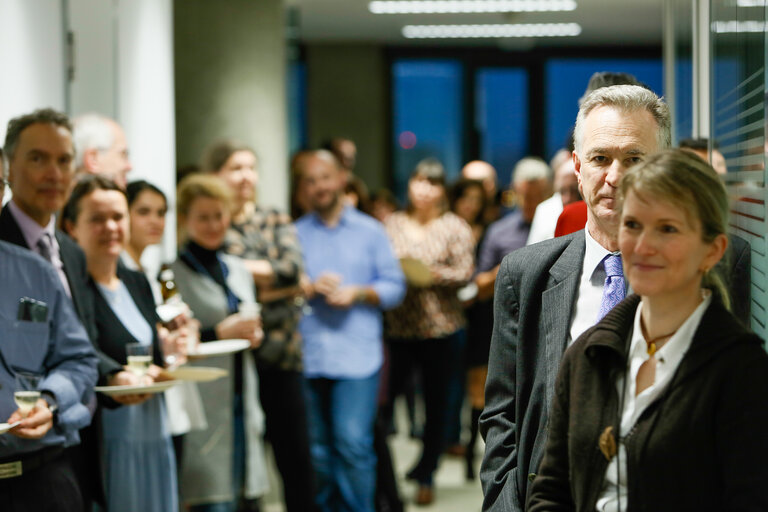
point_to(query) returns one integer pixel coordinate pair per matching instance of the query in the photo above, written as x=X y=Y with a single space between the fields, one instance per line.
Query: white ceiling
x=603 y=22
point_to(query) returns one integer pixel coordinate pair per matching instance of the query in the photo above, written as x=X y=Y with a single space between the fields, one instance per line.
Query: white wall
x=32 y=57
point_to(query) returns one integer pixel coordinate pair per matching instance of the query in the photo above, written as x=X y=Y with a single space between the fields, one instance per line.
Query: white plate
x=5 y=427
x=157 y=387
x=219 y=348
x=197 y=373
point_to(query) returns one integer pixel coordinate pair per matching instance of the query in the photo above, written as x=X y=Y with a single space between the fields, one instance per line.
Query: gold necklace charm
x=607 y=443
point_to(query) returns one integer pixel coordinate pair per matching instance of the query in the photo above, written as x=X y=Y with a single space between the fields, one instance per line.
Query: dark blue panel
x=501 y=103
x=566 y=80
x=427 y=117
x=683 y=115
x=297 y=106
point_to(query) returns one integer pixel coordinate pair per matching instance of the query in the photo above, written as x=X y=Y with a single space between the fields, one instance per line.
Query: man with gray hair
x=101 y=148
x=548 y=293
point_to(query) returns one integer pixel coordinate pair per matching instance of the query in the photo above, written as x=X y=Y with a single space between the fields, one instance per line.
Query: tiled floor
x=453 y=493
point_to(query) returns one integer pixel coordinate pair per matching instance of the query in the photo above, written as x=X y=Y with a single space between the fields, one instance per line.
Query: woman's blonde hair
x=195 y=186
x=688 y=182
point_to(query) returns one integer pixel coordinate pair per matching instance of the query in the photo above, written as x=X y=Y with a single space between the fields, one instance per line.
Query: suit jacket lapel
x=557 y=302
x=10 y=230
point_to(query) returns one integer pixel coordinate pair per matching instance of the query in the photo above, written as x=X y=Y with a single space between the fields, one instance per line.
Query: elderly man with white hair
x=101 y=148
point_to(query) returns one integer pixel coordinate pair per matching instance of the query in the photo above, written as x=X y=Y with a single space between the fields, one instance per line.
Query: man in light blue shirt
x=41 y=334
x=354 y=276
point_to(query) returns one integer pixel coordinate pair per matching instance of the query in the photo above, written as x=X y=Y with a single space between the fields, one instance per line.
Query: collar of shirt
x=668 y=359
x=593 y=257
x=31 y=230
x=343 y=218
x=590 y=291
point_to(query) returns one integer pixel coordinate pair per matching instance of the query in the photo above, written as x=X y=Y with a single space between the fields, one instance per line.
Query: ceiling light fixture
x=750 y=3
x=468 y=6
x=497 y=31
x=737 y=27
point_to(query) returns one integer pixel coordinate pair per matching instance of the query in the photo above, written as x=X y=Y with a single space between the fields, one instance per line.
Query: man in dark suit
x=40 y=156
x=547 y=294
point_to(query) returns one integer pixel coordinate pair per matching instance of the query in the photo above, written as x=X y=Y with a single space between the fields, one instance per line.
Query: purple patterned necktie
x=613 y=289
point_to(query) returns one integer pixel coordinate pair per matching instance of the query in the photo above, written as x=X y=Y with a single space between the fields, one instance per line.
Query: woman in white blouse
x=662 y=405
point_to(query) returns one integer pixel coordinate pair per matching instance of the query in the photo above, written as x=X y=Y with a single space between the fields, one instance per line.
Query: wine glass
x=26 y=393
x=139 y=358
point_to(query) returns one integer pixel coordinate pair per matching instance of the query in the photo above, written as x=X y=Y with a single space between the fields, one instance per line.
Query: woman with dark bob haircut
x=136 y=453
x=662 y=404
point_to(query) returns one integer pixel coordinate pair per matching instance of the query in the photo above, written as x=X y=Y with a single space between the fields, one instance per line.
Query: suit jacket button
x=531 y=477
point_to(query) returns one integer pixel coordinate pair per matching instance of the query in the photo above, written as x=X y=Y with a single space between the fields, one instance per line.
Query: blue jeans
x=341 y=416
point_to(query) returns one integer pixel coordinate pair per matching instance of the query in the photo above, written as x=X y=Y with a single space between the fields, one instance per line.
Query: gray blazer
x=536 y=290
x=206 y=475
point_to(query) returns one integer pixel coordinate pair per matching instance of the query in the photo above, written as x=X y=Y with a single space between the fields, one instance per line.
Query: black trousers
x=434 y=358
x=282 y=398
x=50 y=488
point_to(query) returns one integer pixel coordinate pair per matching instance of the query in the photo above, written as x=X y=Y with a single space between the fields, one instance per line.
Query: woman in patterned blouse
x=424 y=331
x=266 y=241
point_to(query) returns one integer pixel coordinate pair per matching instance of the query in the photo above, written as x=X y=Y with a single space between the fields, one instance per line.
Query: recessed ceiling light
x=468 y=6
x=498 y=31
x=736 y=27
x=750 y=3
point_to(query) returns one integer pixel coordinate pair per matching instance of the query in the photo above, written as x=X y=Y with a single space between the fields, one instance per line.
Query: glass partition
x=737 y=128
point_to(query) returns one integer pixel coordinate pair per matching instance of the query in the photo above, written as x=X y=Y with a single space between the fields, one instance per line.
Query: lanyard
x=232 y=300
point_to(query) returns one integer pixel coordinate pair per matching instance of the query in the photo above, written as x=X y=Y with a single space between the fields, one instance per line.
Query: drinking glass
x=139 y=358
x=26 y=393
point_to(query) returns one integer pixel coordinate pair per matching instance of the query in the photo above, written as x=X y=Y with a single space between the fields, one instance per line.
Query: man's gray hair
x=21 y=123
x=92 y=131
x=627 y=98
x=531 y=168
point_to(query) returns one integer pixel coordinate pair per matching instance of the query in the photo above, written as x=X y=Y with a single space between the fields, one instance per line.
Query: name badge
x=10 y=469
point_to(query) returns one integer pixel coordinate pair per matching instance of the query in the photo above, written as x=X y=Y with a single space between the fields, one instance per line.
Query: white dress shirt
x=591 y=285
x=545 y=219
x=33 y=232
x=668 y=359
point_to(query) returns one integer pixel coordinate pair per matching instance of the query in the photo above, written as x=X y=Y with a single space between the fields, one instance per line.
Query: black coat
x=113 y=336
x=702 y=446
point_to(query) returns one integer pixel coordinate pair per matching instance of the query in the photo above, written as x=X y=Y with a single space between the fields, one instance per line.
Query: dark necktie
x=45 y=248
x=613 y=289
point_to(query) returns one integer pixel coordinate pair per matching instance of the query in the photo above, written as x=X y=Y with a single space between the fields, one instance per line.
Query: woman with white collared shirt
x=661 y=405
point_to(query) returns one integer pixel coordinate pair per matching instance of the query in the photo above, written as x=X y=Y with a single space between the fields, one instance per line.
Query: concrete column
x=230 y=82
x=347 y=97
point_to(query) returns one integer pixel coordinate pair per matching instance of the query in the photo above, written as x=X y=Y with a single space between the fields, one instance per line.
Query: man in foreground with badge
x=47 y=370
